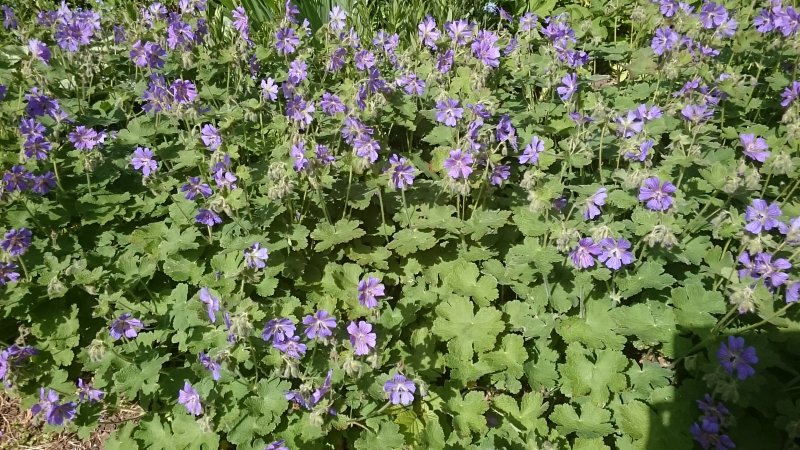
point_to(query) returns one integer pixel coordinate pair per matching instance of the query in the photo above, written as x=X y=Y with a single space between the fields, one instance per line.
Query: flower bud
x=96 y=350
x=743 y=297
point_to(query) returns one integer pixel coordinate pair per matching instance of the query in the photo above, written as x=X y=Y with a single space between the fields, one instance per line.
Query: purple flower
x=361 y=337
x=337 y=59
x=225 y=179
x=367 y=148
x=211 y=302
x=712 y=410
x=331 y=104
x=17 y=179
x=87 y=393
x=195 y=186
x=148 y=54
x=592 y=207
x=9 y=18
x=44 y=183
x=761 y=217
x=792 y=292
x=460 y=31
x=16 y=241
x=641 y=155
x=210 y=137
x=337 y=18
x=506 y=131
x=368 y=291
x=40 y=105
x=323 y=390
x=459 y=164
x=300 y=111
x=298 y=153
x=242 y=24
x=448 y=112
x=30 y=128
x=291 y=347
x=664 y=40
x=411 y=84
x=364 y=59
x=528 y=21
x=569 y=85
x=484 y=49
x=712 y=15
x=500 y=173
x=322 y=155
x=210 y=365
x=401 y=173
x=656 y=194
x=735 y=357
x=189 y=398
x=286 y=41
x=277 y=445
x=157 y=97
x=269 y=90
x=697 y=113
x=179 y=33
x=754 y=148
x=444 y=62
x=47 y=401
x=37 y=147
x=629 y=125
x=583 y=255
x=86 y=138
x=256 y=256
x=39 y=50
x=319 y=325
x=125 y=325
x=707 y=434
x=428 y=33
x=8 y=274
x=143 y=161
x=615 y=253
x=531 y=153
x=207 y=217
x=400 y=390
x=298 y=70
x=771 y=271
x=183 y=91
x=278 y=330
x=790 y=93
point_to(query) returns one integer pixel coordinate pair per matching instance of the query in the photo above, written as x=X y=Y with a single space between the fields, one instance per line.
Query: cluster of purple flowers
x=54 y=412
x=632 y=123
x=614 y=253
x=13 y=357
x=778 y=18
x=762 y=266
x=148 y=54
x=19 y=179
x=304 y=400
x=159 y=97
x=707 y=431
x=75 y=29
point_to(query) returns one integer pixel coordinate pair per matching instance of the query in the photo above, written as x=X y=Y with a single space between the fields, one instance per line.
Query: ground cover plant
x=532 y=226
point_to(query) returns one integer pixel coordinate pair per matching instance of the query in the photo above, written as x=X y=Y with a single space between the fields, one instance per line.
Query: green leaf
x=633 y=419
x=508 y=362
x=485 y=221
x=387 y=437
x=527 y=415
x=463 y=278
x=329 y=235
x=695 y=306
x=595 y=330
x=468 y=413
x=524 y=319
x=408 y=241
x=593 y=421
x=649 y=276
x=651 y=322
x=464 y=330
x=598 y=379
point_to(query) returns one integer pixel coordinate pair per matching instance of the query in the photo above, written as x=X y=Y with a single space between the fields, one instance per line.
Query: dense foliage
x=575 y=227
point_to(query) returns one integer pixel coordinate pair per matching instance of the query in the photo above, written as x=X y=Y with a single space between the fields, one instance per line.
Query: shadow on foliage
x=763 y=410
